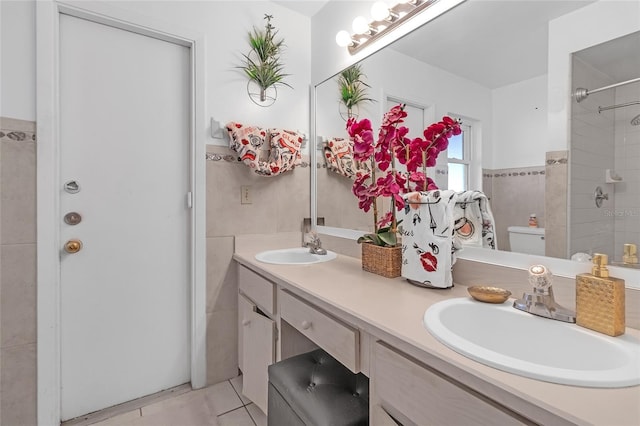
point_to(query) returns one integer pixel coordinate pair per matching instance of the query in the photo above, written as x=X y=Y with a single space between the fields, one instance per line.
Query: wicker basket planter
x=385 y=261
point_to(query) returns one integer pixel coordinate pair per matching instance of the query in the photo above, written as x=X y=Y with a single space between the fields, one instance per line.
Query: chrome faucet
x=541 y=302
x=315 y=245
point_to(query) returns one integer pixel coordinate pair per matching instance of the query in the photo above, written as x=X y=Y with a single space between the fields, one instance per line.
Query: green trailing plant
x=353 y=90
x=263 y=64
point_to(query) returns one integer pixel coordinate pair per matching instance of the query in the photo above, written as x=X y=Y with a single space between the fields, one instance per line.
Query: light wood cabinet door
x=257 y=351
x=421 y=396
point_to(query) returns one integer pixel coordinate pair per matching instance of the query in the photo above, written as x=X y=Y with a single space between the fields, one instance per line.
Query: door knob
x=73 y=246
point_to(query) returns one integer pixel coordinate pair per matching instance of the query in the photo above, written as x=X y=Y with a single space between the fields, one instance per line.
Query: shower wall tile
x=592 y=152
x=626 y=209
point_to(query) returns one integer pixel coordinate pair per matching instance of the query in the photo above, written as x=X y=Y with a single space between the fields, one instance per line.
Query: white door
x=124 y=140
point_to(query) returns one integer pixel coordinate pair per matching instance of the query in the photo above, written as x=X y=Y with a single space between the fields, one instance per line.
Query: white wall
x=394 y=74
x=18 y=60
x=586 y=27
x=328 y=58
x=225 y=25
x=519 y=124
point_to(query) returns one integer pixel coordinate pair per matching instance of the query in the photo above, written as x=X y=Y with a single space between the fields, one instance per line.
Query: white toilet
x=524 y=239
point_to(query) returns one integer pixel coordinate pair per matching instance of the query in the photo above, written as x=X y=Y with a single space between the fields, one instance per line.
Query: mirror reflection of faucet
x=542 y=302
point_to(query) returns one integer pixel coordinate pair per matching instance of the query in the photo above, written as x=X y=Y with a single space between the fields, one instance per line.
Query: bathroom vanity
x=374 y=325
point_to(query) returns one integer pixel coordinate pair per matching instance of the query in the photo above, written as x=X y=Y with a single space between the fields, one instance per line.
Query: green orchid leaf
x=388 y=238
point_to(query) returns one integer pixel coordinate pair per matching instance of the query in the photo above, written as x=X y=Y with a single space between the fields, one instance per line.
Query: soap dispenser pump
x=600 y=299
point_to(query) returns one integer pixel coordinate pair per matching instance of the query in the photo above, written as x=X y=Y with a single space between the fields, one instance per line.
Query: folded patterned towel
x=427 y=238
x=474 y=223
x=338 y=155
x=284 y=148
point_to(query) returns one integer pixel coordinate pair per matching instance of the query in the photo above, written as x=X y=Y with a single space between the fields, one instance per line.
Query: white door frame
x=48 y=190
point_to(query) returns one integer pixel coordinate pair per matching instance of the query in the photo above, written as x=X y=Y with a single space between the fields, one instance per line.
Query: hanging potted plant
x=353 y=91
x=263 y=65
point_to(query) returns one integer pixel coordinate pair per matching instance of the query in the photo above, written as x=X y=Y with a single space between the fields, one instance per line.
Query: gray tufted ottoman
x=313 y=389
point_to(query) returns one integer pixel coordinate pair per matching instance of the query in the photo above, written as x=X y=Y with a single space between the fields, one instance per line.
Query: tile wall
x=17 y=272
x=514 y=194
x=279 y=204
x=627 y=165
x=592 y=152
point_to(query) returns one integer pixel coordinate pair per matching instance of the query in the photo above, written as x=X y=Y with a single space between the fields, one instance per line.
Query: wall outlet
x=245 y=194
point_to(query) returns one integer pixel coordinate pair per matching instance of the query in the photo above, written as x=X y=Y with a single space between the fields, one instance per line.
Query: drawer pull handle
x=306 y=325
x=246 y=322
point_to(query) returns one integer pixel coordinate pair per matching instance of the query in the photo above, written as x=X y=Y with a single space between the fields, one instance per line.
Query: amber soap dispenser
x=600 y=299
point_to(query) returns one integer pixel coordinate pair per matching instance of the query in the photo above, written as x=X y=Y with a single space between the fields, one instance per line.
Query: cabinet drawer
x=260 y=290
x=422 y=396
x=338 y=339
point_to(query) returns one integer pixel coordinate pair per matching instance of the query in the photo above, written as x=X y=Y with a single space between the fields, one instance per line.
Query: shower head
x=635 y=121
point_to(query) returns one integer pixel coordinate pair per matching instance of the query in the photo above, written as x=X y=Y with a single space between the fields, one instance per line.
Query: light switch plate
x=245 y=194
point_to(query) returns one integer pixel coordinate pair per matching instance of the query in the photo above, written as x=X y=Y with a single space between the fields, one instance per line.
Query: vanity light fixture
x=384 y=19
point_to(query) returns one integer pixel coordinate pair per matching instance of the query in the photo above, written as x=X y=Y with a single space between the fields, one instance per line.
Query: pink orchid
x=393 y=145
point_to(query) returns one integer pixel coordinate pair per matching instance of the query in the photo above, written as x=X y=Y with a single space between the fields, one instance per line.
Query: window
x=459 y=160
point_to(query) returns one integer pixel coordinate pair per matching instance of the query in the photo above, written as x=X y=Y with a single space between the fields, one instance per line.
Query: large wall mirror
x=487 y=63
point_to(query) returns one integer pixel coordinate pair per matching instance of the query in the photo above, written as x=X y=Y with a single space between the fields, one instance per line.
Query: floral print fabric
x=428 y=243
x=474 y=224
x=338 y=155
x=284 y=148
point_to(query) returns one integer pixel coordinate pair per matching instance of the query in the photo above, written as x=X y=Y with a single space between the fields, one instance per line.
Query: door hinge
x=190 y=199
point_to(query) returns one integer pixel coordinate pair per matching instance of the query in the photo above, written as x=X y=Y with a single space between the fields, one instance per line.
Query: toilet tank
x=524 y=239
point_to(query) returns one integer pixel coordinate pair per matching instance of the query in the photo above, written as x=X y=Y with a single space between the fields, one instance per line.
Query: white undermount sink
x=540 y=348
x=293 y=256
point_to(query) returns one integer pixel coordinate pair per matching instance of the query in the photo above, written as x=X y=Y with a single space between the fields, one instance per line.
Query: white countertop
x=392 y=310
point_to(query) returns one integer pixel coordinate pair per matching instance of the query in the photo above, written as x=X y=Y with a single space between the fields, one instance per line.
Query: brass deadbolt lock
x=73 y=246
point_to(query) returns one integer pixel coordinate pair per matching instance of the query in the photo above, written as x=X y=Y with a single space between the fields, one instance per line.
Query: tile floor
x=219 y=405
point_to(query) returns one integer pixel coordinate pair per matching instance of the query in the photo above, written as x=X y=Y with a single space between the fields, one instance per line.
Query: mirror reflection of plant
x=265 y=66
x=353 y=89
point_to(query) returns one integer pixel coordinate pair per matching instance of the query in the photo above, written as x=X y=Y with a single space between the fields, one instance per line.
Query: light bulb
x=379 y=11
x=360 y=25
x=343 y=38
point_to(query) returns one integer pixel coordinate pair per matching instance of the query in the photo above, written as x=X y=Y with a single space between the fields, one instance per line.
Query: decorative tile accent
x=552 y=161
x=214 y=156
x=17 y=130
x=512 y=172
